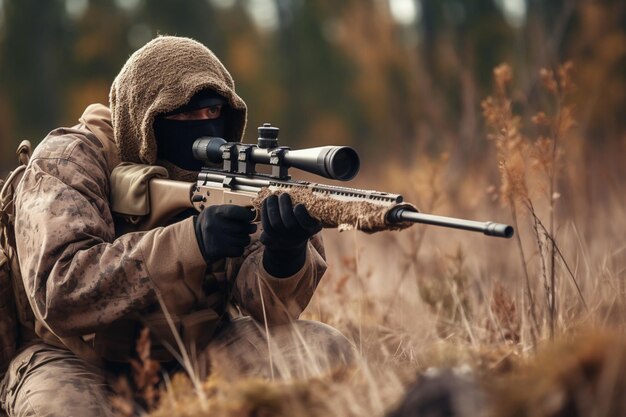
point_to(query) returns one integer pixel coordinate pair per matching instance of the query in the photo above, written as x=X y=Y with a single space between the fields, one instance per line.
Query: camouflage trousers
x=48 y=381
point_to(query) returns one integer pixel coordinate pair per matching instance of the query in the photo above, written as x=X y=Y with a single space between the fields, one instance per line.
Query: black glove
x=224 y=231
x=286 y=232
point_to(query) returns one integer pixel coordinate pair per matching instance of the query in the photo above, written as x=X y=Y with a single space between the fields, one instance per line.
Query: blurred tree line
x=387 y=76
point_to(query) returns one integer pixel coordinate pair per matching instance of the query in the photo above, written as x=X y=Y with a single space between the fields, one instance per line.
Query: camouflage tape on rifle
x=362 y=215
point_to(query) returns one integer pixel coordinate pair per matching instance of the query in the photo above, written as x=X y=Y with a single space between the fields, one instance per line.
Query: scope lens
x=343 y=163
x=208 y=149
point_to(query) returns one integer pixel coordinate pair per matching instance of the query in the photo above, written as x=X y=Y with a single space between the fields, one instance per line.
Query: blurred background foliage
x=390 y=77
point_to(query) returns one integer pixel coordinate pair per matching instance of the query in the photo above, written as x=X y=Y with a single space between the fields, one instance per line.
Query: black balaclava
x=175 y=138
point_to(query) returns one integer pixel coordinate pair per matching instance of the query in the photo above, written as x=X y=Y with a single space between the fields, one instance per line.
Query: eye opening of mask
x=205 y=99
x=205 y=113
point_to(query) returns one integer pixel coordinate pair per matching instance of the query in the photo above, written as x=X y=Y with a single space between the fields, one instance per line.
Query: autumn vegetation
x=542 y=311
x=467 y=116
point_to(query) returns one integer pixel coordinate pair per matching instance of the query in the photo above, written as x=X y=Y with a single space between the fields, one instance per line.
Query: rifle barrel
x=489 y=228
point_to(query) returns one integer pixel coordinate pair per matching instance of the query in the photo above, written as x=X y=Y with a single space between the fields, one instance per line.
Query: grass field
x=533 y=325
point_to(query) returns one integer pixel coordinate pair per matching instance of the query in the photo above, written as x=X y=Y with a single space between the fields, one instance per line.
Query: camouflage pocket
x=164 y=334
x=193 y=330
x=116 y=342
x=8 y=322
x=198 y=329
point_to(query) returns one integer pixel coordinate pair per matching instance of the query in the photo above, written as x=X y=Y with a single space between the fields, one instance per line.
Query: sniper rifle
x=229 y=176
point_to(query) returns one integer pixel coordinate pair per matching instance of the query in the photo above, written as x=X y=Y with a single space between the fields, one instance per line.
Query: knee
x=326 y=339
x=298 y=349
x=44 y=380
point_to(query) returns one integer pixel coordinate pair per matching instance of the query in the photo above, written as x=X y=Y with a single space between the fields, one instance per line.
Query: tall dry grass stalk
x=529 y=171
x=140 y=392
x=512 y=150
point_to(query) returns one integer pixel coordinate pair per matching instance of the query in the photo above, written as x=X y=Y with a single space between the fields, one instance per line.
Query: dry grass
x=434 y=298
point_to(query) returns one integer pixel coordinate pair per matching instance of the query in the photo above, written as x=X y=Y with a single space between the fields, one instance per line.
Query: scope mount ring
x=277 y=160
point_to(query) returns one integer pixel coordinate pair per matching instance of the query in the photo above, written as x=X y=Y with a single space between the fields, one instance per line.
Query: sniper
x=211 y=283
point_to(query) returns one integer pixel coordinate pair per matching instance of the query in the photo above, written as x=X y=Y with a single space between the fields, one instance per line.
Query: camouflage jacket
x=80 y=277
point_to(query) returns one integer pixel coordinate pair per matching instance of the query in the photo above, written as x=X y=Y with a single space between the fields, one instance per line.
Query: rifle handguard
x=342 y=214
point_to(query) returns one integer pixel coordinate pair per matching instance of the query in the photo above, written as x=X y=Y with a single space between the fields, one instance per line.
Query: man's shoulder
x=77 y=145
x=67 y=159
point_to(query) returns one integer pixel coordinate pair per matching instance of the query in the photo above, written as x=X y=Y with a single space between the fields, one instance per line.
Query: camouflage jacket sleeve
x=277 y=300
x=77 y=275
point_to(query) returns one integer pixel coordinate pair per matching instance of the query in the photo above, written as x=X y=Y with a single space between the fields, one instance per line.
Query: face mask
x=175 y=139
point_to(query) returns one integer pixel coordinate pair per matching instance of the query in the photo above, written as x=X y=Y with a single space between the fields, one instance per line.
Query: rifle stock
x=167 y=198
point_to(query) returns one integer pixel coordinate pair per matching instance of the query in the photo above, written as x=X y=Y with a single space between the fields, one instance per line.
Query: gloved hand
x=224 y=231
x=286 y=232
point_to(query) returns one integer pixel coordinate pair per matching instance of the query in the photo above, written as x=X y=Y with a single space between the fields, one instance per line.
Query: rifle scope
x=334 y=162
